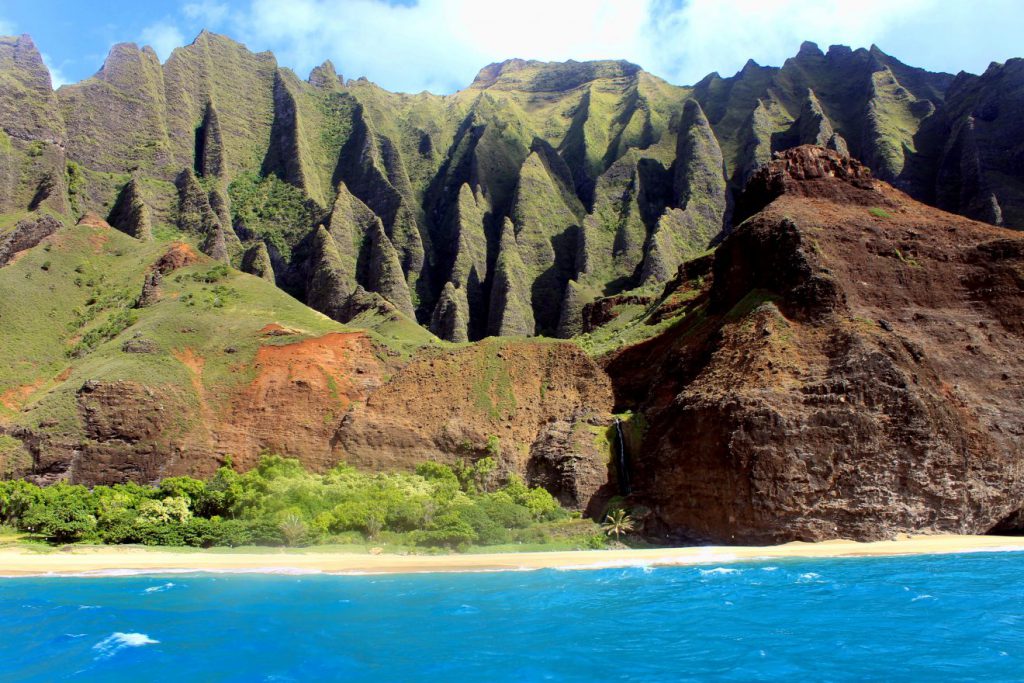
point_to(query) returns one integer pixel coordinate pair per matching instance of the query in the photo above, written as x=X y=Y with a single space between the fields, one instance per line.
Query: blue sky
x=439 y=45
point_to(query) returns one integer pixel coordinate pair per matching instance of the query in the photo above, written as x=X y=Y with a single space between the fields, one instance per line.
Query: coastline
x=16 y=562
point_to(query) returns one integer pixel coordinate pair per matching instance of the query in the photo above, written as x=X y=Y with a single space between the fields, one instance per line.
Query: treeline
x=280 y=503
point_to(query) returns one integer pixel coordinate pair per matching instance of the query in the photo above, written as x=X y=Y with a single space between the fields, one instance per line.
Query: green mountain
x=611 y=177
x=212 y=256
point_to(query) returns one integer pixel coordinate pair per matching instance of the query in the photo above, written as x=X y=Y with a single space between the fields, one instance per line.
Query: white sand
x=20 y=561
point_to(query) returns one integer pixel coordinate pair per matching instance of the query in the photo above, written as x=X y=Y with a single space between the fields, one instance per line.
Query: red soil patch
x=93 y=220
x=14 y=398
x=298 y=398
x=177 y=256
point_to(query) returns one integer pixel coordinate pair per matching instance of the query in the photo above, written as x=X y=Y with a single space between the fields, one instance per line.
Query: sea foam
x=115 y=642
x=159 y=589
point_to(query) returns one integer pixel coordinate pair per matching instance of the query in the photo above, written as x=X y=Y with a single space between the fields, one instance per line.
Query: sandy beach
x=20 y=562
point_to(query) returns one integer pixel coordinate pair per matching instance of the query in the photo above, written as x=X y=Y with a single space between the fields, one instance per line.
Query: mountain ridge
x=244 y=125
x=220 y=258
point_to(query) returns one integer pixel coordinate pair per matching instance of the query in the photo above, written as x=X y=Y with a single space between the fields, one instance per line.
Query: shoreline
x=18 y=562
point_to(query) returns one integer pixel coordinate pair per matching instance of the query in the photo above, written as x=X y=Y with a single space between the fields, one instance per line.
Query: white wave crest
x=718 y=571
x=159 y=589
x=115 y=642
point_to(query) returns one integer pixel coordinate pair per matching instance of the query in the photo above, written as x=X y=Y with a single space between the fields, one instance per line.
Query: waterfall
x=621 y=467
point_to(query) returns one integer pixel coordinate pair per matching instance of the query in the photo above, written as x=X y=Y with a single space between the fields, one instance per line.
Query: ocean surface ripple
x=949 y=617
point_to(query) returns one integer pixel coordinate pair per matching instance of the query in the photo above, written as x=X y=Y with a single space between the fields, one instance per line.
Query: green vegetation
x=912 y=262
x=279 y=503
x=273 y=210
x=76 y=187
x=641 y=317
x=879 y=213
x=492 y=391
x=617 y=523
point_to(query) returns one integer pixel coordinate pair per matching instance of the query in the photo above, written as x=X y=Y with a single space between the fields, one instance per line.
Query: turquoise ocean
x=925 y=618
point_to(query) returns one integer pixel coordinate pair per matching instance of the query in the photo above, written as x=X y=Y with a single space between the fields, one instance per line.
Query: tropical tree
x=293 y=530
x=617 y=523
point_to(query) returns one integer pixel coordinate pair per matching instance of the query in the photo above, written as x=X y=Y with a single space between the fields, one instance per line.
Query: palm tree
x=293 y=529
x=617 y=523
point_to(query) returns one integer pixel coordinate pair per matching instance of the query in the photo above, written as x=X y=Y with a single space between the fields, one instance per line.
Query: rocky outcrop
x=130 y=214
x=196 y=215
x=808 y=171
x=830 y=386
x=27 y=233
x=569 y=458
x=511 y=313
x=256 y=261
x=150 y=290
x=324 y=76
x=467 y=403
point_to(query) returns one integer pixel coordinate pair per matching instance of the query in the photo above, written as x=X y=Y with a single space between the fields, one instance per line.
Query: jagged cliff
x=802 y=350
x=610 y=177
x=848 y=365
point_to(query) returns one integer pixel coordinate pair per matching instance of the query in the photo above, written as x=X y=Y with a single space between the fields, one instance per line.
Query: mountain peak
x=809 y=49
x=534 y=75
x=325 y=76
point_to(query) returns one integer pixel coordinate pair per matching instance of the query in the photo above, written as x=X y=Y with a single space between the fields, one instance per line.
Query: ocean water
x=949 y=617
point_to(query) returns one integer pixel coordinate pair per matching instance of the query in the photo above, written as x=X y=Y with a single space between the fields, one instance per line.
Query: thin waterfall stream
x=621 y=464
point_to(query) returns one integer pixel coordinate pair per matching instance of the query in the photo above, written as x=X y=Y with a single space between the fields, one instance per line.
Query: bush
x=448 y=531
x=16 y=497
x=59 y=523
x=280 y=503
x=486 y=530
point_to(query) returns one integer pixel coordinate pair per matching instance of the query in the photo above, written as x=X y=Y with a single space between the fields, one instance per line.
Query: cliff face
x=160 y=361
x=611 y=177
x=816 y=355
x=851 y=370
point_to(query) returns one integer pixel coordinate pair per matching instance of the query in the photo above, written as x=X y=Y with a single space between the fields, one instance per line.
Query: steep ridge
x=632 y=175
x=160 y=361
x=817 y=355
x=852 y=369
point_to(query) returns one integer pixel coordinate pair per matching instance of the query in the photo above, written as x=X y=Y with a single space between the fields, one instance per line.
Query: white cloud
x=439 y=45
x=6 y=28
x=163 y=37
x=208 y=12
x=56 y=77
x=702 y=36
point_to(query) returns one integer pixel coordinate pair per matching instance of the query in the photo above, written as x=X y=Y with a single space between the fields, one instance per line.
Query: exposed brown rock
x=851 y=371
x=150 y=289
x=569 y=458
x=26 y=234
x=179 y=255
x=449 y=405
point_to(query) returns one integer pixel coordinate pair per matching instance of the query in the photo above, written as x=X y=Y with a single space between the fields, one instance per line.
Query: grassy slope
x=91 y=276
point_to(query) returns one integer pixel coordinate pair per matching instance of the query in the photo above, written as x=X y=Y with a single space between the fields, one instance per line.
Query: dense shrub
x=280 y=503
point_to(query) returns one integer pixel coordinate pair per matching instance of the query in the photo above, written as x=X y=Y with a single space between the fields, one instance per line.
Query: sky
x=439 y=45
